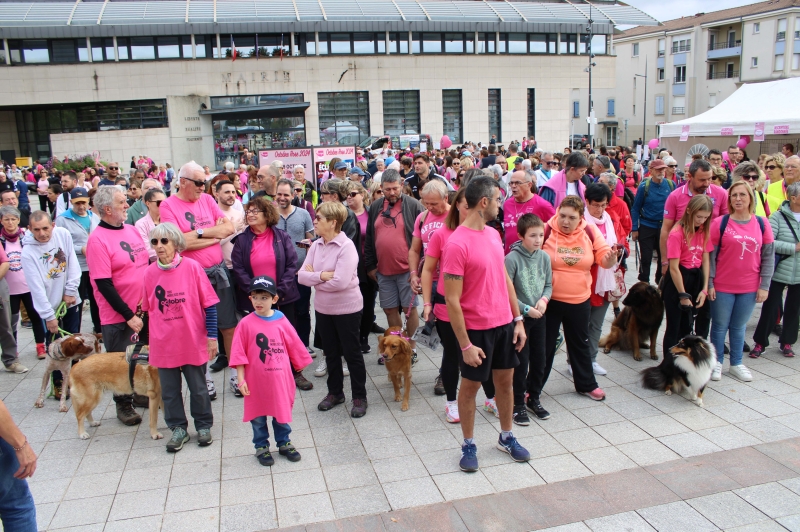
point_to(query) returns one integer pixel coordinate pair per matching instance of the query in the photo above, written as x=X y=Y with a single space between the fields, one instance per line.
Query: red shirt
x=391 y=247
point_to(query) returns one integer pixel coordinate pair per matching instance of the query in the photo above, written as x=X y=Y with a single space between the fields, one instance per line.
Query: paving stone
x=792 y=483
x=248 y=517
x=698 y=419
x=358 y=501
x=675 y=517
x=647 y=452
x=144 y=479
x=763 y=526
x=605 y=460
x=150 y=523
x=442 y=517
x=246 y=490
x=773 y=499
x=598 y=416
x=144 y=503
x=790 y=522
x=767 y=430
x=747 y=466
x=461 y=486
x=414 y=492
x=561 y=467
x=388 y=448
x=692 y=478
x=304 y=509
x=580 y=439
x=349 y=476
x=193 y=497
x=728 y=437
x=661 y=425
x=627 y=521
x=621 y=432
x=195 y=520
x=294 y=483
x=726 y=510
x=689 y=444
x=572 y=527
x=195 y=473
x=400 y=468
x=81 y=512
x=514 y=476
x=635 y=409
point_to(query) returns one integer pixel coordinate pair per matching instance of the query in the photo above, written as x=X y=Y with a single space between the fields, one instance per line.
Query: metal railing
x=678 y=110
x=781 y=36
x=681 y=48
x=723 y=75
x=723 y=45
x=678 y=81
x=661 y=53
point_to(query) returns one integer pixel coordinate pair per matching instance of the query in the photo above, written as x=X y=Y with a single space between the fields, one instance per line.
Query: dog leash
x=61 y=311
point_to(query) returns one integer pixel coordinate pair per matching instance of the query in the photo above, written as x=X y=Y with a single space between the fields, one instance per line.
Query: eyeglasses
x=387 y=216
x=155 y=241
x=252 y=212
x=750 y=177
x=113 y=167
x=516 y=183
x=157 y=202
x=673 y=166
x=551 y=163
x=198 y=184
x=354 y=194
x=770 y=167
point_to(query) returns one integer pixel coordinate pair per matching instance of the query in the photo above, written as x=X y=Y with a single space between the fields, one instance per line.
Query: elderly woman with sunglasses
x=152 y=200
x=748 y=171
x=776 y=193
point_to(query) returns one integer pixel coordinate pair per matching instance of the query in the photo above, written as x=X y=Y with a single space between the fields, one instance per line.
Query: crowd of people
x=511 y=252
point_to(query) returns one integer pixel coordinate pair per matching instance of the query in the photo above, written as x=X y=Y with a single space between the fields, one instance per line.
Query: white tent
x=774 y=103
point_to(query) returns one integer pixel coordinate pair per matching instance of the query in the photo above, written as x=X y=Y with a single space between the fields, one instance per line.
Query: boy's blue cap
x=264 y=282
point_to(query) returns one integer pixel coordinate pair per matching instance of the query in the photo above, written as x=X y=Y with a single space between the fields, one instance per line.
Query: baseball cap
x=357 y=170
x=465 y=153
x=79 y=194
x=264 y=282
x=518 y=160
x=340 y=165
x=658 y=163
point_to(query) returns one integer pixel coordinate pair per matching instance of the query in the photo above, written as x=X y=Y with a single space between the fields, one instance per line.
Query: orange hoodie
x=572 y=256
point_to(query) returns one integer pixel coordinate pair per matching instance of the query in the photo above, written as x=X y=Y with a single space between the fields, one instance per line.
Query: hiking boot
x=204 y=437
x=536 y=408
x=329 y=401
x=757 y=351
x=264 y=457
x=322 y=368
x=16 y=367
x=438 y=386
x=377 y=329
x=597 y=394
x=234 y=386
x=469 y=458
x=219 y=364
x=212 y=391
x=511 y=446
x=178 y=439
x=786 y=350
x=359 y=408
x=289 y=452
x=41 y=351
x=365 y=348
x=141 y=401
x=301 y=382
x=127 y=414
x=520 y=416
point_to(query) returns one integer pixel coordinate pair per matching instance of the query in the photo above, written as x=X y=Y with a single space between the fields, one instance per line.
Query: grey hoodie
x=51 y=270
x=531 y=274
x=80 y=237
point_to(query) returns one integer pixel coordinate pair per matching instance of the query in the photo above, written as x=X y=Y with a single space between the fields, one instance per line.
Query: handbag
x=619 y=279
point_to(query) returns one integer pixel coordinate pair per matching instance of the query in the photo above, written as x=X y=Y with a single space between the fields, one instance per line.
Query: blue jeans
x=261 y=432
x=17 y=510
x=730 y=312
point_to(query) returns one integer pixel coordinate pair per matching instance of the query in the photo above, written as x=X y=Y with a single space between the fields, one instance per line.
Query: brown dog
x=60 y=357
x=109 y=372
x=396 y=351
x=638 y=322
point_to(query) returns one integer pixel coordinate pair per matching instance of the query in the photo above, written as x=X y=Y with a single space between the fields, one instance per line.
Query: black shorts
x=498 y=347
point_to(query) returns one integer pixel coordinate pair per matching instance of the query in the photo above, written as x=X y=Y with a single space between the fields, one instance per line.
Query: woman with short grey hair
x=182 y=305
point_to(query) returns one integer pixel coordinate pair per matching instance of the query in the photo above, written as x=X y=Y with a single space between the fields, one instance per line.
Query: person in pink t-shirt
x=686 y=282
x=434 y=198
x=265 y=349
x=204 y=226
x=742 y=265
x=524 y=201
x=181 y=304
x=475 y=280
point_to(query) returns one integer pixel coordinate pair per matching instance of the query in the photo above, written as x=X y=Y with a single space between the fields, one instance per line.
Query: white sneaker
x=598 y=369
x=741 y=372
x=212 y=391
x=322 y=368
x=451 y=412
x=716 y=373
x=16 y=367
x=345 y=370
x=491 y=406
x=569 y=370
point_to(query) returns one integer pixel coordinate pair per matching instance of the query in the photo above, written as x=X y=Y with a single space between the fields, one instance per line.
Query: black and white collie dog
x=689 y=367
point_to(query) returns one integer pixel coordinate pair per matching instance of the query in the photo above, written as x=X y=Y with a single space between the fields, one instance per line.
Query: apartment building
x=689 y=65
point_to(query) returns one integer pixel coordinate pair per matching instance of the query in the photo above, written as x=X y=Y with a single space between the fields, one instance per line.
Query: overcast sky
x=667 y=10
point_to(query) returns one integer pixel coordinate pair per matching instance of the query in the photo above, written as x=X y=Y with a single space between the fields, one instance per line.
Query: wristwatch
x=526 y=309
x=199 y=233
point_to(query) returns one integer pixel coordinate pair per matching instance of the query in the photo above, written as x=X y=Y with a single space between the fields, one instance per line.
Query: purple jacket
x=285 y=267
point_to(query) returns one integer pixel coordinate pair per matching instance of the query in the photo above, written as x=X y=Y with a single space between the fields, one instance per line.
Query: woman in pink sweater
x=331 y=268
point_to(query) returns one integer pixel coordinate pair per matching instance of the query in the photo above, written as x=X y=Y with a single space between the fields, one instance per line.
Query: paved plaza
x=637 y=461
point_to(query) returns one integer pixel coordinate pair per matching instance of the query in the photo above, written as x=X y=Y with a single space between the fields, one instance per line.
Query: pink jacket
x=555 y=190
x=340 y=295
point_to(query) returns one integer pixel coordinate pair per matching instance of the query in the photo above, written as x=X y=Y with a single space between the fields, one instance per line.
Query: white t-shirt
x=572 y=189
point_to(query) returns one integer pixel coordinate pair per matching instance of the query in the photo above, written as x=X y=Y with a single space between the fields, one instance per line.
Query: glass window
x=323 y=44
x=454 y=43
x=659 y=105
x=340 y=43
x=380 y=41
x=576 y=109
x=532 y=113
x=343 y=117
x=271 y=44
x=14 y=50
x=186 y=46
x=54 y=120
x=502 y=43
x=416 y=43
x=495 y=121
x=432 y=43
x=64 y=51
x=635 y=49
x=452 y=114
x=122 y=48
x=401 y=112
x=2 y=56
x=568 y=44
x=517 y=43
x=610 y=110
x=778 y=63
x=364 y=43
x=142 y=49
x=398 y=43
x=245 y=45
x=168 y=48
x=35 y=52
x=97 y=50
x=538 y=43
x=470 y=43
x=310 y=44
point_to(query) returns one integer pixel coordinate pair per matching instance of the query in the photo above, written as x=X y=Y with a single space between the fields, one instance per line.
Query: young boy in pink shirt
x=265 y=347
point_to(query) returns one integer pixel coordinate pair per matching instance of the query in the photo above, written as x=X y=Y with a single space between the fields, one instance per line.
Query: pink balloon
x=747 y=138
x=742 y=143
x=653 y=144
x=446 y=142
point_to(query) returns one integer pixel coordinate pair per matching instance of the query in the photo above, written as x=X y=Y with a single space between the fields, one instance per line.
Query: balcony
x=676 y=49
x=723 y=75
x=678 y=110
x=725 y=49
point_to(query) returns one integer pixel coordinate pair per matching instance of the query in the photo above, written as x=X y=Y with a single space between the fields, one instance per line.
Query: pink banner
x=290 y=157
x=323 y=154
x=684 y=133
x=759 y=132
x=726 y=131
x=781 y=130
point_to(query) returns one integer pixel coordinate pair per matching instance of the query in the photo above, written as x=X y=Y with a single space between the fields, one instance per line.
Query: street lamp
x=644 y=111
x=589 y=70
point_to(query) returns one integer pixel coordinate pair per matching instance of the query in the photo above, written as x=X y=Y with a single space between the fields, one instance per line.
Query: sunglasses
x=298 y=190
x=354 y=194
x=551 y=163
x=673 y=166
x=155 y=241
x=157 y=202
x=113 y=167
x=770 y=167
x=750 y=177
x=196 y=183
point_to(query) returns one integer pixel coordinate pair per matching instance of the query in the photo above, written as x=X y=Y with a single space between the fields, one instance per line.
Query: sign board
x=684 y=133
x=290 y=157
x=323 y=154
x=759 y=132
x=726 y=131
x=781 y=130
x=409 y=141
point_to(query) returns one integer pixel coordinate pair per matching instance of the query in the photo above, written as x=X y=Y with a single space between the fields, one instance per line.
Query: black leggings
x=86 y=291
x=575 y=318
x=770 y=311
x=369 y=290
x=450 y=358
x=36 y=321
x=679 y=321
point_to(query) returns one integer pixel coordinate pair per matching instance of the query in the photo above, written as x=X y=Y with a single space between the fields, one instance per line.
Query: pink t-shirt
x=478 y=257
x=189 y=216
x=15 y=277
x=435 y=247
x=691 y=256
x=176 y=300
x=119 y=255
x=268 y=348
x=738 y=269
x=679 y=198
x=262 y=254
x=514 y=210
x=432 y=223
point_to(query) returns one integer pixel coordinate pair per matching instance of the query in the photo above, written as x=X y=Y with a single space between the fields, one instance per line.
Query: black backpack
x=628 y=197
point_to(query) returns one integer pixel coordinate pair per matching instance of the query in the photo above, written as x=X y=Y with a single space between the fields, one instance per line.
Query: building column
x=316 y=41
x=291 y=45
x=388 y=42
x=89 y=49
x=116 y=52
x=219 y=47
x=410 y=43
x=476 y=47
x=8 y=54
x=194 y=48
x=497 y=42
x=558 y=43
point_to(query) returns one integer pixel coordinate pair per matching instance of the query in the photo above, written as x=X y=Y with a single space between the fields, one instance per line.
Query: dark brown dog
x=60 y=356
x=638 y=322
x=396 y=351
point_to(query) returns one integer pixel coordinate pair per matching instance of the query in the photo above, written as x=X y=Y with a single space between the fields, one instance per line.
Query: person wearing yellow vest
x=776 y=193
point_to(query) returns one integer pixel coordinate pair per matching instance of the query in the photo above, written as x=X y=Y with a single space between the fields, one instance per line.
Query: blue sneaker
x=511 y=446
x=469 y=458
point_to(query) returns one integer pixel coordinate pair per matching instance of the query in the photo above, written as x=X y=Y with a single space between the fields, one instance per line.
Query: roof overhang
x=257 y=111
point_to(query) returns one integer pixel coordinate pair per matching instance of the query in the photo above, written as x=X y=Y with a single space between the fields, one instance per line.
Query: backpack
x=724 y=224
x=628 y=197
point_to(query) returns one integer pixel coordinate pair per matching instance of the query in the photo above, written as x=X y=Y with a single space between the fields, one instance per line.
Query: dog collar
x=400 y=334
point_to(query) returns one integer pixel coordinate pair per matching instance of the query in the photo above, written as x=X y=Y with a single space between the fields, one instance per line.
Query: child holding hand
x=264 y=350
